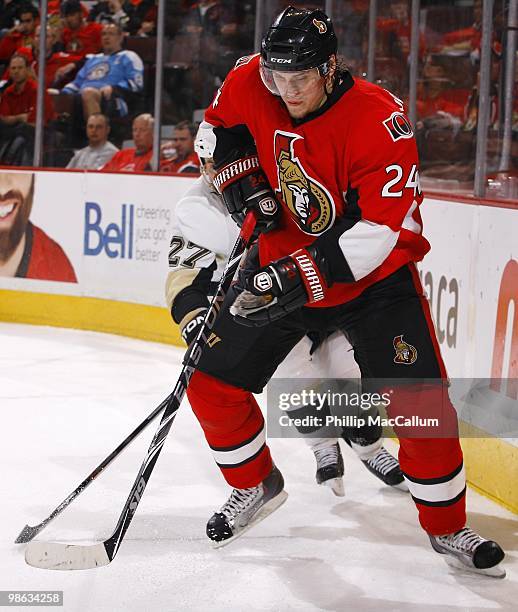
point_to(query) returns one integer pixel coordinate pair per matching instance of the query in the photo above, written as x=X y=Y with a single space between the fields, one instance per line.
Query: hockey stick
x=31 y=531
x=60 y=556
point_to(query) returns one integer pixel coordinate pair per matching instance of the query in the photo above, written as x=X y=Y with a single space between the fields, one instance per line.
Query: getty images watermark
x=422 y=408
x=326 y=409
x=310 y=408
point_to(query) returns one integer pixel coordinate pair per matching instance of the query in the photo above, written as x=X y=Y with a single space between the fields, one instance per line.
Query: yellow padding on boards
x=491 y=466
x=109 y=316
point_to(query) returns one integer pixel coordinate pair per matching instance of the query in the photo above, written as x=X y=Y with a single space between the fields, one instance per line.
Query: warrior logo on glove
x=240 y=167
x=268 y=207
x=309 y=201
x=263 y=282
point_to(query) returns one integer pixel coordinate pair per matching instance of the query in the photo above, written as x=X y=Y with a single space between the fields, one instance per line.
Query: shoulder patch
x=398 y=126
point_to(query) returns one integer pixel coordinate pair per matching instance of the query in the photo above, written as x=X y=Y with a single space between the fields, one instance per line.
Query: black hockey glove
x=190 y=330
x=285 y=285
x=244 y=187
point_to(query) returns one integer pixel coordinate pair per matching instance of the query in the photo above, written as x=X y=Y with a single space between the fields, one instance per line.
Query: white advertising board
x=475 y=249
x=496 y=294
x=114 y=230
x=447 y=277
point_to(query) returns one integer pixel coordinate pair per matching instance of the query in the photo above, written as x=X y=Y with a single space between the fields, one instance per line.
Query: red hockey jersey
x=128 y=160
x=190 y=164
x=356 y=158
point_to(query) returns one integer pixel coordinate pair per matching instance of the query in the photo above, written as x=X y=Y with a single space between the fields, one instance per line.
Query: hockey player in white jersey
x=202 y=238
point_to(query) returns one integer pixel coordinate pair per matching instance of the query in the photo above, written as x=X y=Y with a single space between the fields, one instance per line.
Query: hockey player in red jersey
x=340 y=156
x=202 y=237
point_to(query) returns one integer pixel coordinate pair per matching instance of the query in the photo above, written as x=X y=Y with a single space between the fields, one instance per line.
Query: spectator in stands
x=25 y=250
x=137 y=17
x=8 y=14
x=210 y=17
x=394 y=33
x=59 y=66
x=471 y=114
x=183 y=158
x=138 y=158
x=22 y=34
x=143 y=16
x=109 y=81
x=58 y=27
x=54 y=8
x=436 y=95
x=79 y=37
x=214 y=40
x=99 y=150
x=18 y=114
x=469 y=38
x=109 y=11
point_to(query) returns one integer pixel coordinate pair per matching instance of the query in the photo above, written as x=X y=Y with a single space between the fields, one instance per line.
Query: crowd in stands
x=100 y=62
x=177 y=155
x=449 y=49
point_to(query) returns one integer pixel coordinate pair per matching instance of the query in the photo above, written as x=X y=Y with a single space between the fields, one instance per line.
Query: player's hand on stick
x=285 y=285
x=244 y=187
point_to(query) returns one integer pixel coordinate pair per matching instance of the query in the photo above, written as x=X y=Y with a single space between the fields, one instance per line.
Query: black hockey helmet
x=299 y=39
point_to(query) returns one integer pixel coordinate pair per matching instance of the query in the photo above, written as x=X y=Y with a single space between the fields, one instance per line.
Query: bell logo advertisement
x=127 y=231
x=115 y=240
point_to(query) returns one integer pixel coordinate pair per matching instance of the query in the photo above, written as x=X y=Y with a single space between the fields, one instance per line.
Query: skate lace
x=239 y=500
x=465 y=540
x=383 y=462
x=327 y=456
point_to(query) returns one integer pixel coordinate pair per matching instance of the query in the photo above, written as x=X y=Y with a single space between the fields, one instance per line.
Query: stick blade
x=58 y=556
x=27 y=534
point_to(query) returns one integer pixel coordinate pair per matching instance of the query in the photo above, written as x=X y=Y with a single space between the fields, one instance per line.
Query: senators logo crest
x=405 y=353
x=320 y=25
x=310 y=203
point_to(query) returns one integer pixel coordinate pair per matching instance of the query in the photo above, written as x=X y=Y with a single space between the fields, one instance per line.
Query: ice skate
x=465 y=549
x=330 y=468
x=245 y=508
x=386 y=468
x=378 y=461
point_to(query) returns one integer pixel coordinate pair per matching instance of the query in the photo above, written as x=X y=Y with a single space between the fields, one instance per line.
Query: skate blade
x=265 y=511
x=493 y=572
x=336 y=485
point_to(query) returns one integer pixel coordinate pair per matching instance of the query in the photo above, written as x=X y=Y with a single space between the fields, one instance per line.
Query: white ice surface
x=68 y=398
